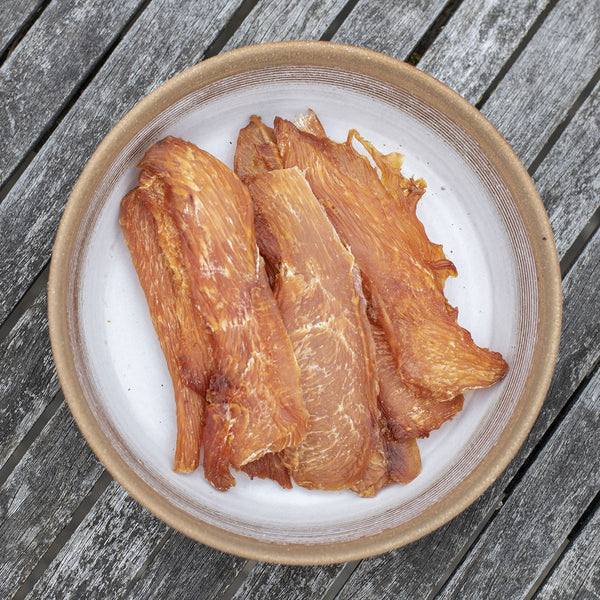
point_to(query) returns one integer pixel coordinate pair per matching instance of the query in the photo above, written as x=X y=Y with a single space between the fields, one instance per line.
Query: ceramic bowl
x=480 y=204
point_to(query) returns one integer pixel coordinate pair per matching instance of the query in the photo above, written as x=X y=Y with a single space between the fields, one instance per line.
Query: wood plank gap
x=16 y=174
x=28 y=439
x=79 y=514
x=588 y=514
x=535 y=586
x=558 y=131
x=550 y=430
x=338 y=20
x=580 y=242
x=69 y=103
x=39 y=285
x=433 y=31
x=569 y=540
x=457 y=560
x=22 y=31
x=236 y=583
x=516 y=53
x=242 y=11
x=140 y=572
x=340 y=580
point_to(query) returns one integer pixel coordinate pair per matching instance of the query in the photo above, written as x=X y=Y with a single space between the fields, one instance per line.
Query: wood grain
x=28 y=380
x=35 y=503
x=11 y=21
x=568 y=179
x=477 y=42
x=577 y=574
x=541 y=511
x=537 y=92
x=104 y=553
x=393 y=28
x=291 y=583
x=182 y=567
x=163 y=41
x=81 y=30
x=278 y=20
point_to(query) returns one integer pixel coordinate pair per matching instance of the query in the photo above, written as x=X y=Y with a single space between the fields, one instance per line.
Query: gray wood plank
x=110 y=545
x=29 y=104
x=185 y=569
x=28 y=379
x=35 y=503
x=393 y=28
x=278 y=20
x=531 y=525
x=579 y=353
x=577 y=574
x=291 y=583
x=11 y=21
x=571 y=192
x=164 y=40
x=477 y=41
x=557 y=64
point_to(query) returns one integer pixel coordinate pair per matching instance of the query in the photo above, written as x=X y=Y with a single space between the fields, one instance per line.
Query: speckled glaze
x=480 y=203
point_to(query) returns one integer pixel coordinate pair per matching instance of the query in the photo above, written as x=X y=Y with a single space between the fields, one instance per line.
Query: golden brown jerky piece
x=404 y=459
x=319 y=296
x=435 y=357
x=254 y=400
x=256 y=150
x=269 y=466
x=407 y=414
x=183 y=338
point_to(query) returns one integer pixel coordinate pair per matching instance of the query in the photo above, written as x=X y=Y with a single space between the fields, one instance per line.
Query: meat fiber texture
x=374 y=213
x=318 y=291
x=323 y=358
x=403 y=272
x=253 y=402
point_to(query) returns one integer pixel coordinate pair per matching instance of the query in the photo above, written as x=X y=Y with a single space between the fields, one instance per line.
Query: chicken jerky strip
x=254 y=402
x=320 y=299
x=393 y=460
x=435 y=357
x=183 y=336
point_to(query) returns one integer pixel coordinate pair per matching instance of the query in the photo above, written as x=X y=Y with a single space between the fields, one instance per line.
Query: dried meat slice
x=254 y=399
x=394 y=461
x=319 y=296
x=269 y=466
x=256 y=150
x=178 y=326
x=408 y=415
x=435 y=357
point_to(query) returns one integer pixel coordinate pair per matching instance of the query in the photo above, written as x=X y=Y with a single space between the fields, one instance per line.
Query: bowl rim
x=511 y=171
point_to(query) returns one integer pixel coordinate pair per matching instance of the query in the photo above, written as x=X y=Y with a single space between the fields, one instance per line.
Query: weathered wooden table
x=69 y=69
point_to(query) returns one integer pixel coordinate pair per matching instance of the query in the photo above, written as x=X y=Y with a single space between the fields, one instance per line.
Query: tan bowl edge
x=510 y=169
